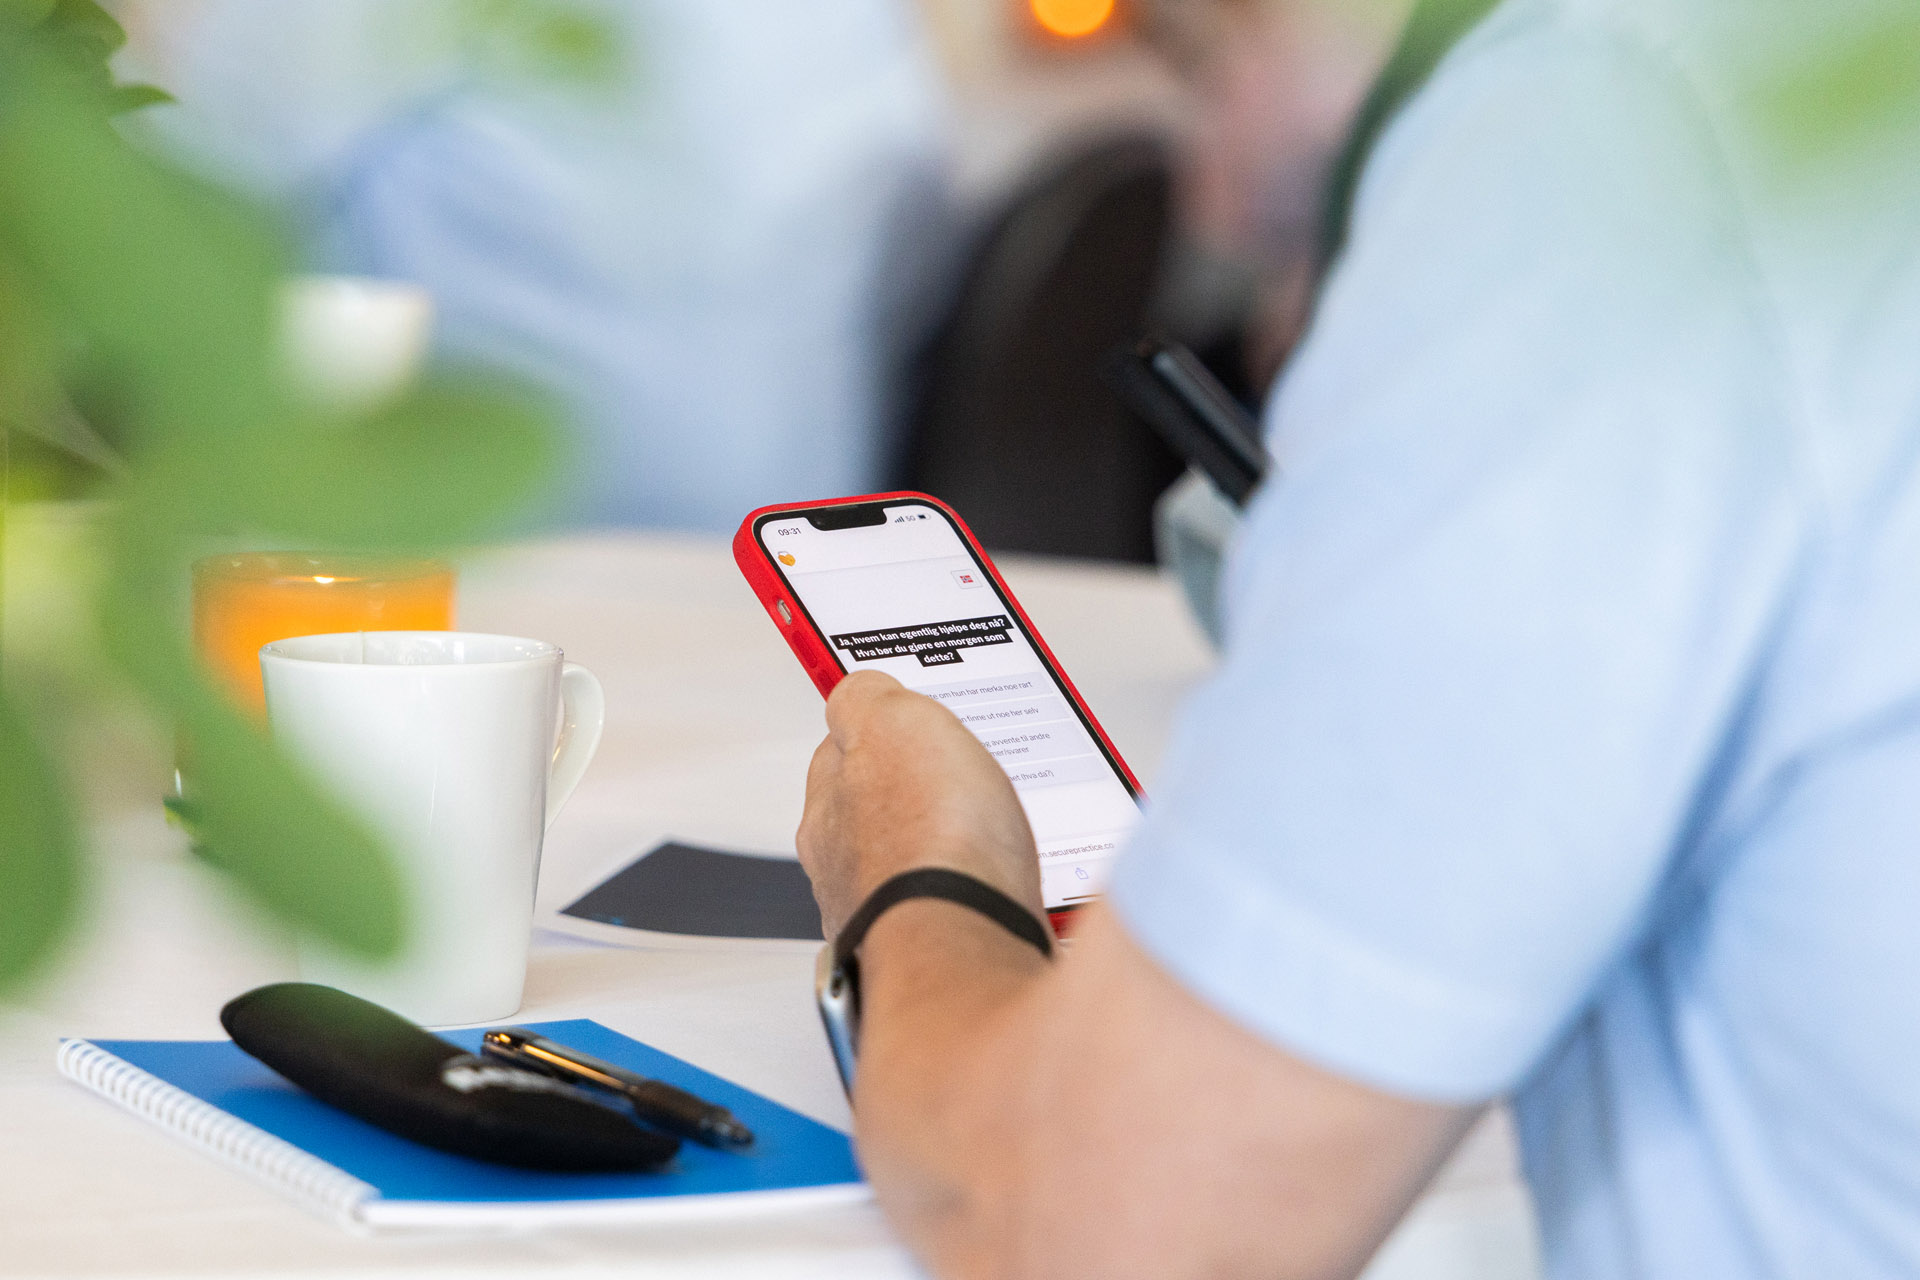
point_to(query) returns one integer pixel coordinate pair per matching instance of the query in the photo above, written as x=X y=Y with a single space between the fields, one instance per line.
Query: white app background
x=906 y=598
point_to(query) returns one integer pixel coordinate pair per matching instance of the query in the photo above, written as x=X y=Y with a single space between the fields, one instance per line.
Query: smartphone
x=1176 y=395
x=896 y=582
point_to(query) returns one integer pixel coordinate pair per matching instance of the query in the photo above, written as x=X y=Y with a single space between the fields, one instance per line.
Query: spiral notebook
x=229 y=1105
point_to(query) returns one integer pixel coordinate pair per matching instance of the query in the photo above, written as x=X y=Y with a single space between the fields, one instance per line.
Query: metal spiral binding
x=317 y=1185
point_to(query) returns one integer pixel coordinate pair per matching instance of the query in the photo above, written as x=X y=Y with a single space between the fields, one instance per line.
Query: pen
x=655 y=1101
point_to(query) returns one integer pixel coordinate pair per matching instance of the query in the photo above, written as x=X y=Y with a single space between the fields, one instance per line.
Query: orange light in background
x=1071 y=18
x=241 y=602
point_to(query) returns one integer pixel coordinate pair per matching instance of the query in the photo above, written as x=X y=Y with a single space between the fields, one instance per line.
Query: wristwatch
x=836 y=974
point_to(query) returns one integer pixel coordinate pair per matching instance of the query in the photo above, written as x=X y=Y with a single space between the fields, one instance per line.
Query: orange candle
x=241 y=602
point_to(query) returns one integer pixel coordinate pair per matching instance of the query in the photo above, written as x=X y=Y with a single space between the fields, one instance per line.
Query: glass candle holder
x=241 y=602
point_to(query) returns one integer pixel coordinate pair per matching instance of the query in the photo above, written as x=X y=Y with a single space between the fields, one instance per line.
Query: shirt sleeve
x=1492 y=630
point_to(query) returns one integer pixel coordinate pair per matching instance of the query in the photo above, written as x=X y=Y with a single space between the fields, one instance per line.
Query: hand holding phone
x=897 y=583
x=898 y=786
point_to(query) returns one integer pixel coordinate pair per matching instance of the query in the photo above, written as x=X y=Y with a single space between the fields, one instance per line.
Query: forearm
x=1085 y=1117
x=947 y=1028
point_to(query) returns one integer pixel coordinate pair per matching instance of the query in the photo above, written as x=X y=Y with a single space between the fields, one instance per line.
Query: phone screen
x=907 y=596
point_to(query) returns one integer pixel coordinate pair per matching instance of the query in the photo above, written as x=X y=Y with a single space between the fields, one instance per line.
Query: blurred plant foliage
x=121 y=273
x=1842 y=73
x=548 y=39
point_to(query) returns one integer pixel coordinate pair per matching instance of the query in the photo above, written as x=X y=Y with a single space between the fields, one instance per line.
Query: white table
x=710 y=726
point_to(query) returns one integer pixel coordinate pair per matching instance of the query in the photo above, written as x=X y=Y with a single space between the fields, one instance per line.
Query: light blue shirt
x=1568 y=738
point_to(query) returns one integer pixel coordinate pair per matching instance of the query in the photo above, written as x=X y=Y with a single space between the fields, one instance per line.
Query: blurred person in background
x=1274 y=86
x=725 y=233
x=701 y=225
x=1566 y=740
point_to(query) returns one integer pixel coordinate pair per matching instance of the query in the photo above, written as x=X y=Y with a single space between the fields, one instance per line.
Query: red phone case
x=808 y=645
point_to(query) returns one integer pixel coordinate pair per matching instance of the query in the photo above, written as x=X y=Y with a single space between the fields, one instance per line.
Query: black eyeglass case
x=374 y=1064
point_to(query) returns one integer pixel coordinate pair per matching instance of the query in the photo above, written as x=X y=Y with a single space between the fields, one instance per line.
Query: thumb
x=856 y=697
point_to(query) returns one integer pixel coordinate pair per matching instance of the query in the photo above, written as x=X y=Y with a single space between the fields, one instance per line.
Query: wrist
x=1001 y=926
x=929 y=951
x=1022 y=920
x=1007 y=861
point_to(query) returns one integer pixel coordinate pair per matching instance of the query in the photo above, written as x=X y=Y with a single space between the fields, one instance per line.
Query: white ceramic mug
x=459 y=749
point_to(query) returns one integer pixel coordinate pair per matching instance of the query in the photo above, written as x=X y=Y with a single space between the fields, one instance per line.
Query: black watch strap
x=954 y=886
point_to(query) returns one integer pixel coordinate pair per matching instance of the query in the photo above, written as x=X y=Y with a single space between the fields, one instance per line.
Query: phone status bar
x=910 y=532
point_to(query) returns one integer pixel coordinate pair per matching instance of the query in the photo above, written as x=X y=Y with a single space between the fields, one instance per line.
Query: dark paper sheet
x=683 y=888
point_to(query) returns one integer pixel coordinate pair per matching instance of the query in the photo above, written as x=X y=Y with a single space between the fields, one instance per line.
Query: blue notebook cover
x=405 y=1183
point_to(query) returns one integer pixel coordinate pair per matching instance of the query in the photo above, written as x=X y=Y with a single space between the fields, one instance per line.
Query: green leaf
x=575 y=44
x=79 y=37
x=174 y=288
x=445 y=464
x=268 y=827
x=256 y=816
x=132 y=97
x=26 y=13
x=554 y=40
x=39 y=853
x=1849 y=73
x=86 y=25
x=174 y=283
x=32 y=401
x=29 y=382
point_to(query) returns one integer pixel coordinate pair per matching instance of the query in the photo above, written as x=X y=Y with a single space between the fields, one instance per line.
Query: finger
x=823 y=773
x=856 y=697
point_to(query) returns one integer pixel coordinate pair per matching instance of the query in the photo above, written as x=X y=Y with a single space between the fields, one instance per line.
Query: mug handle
x=583 y=714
